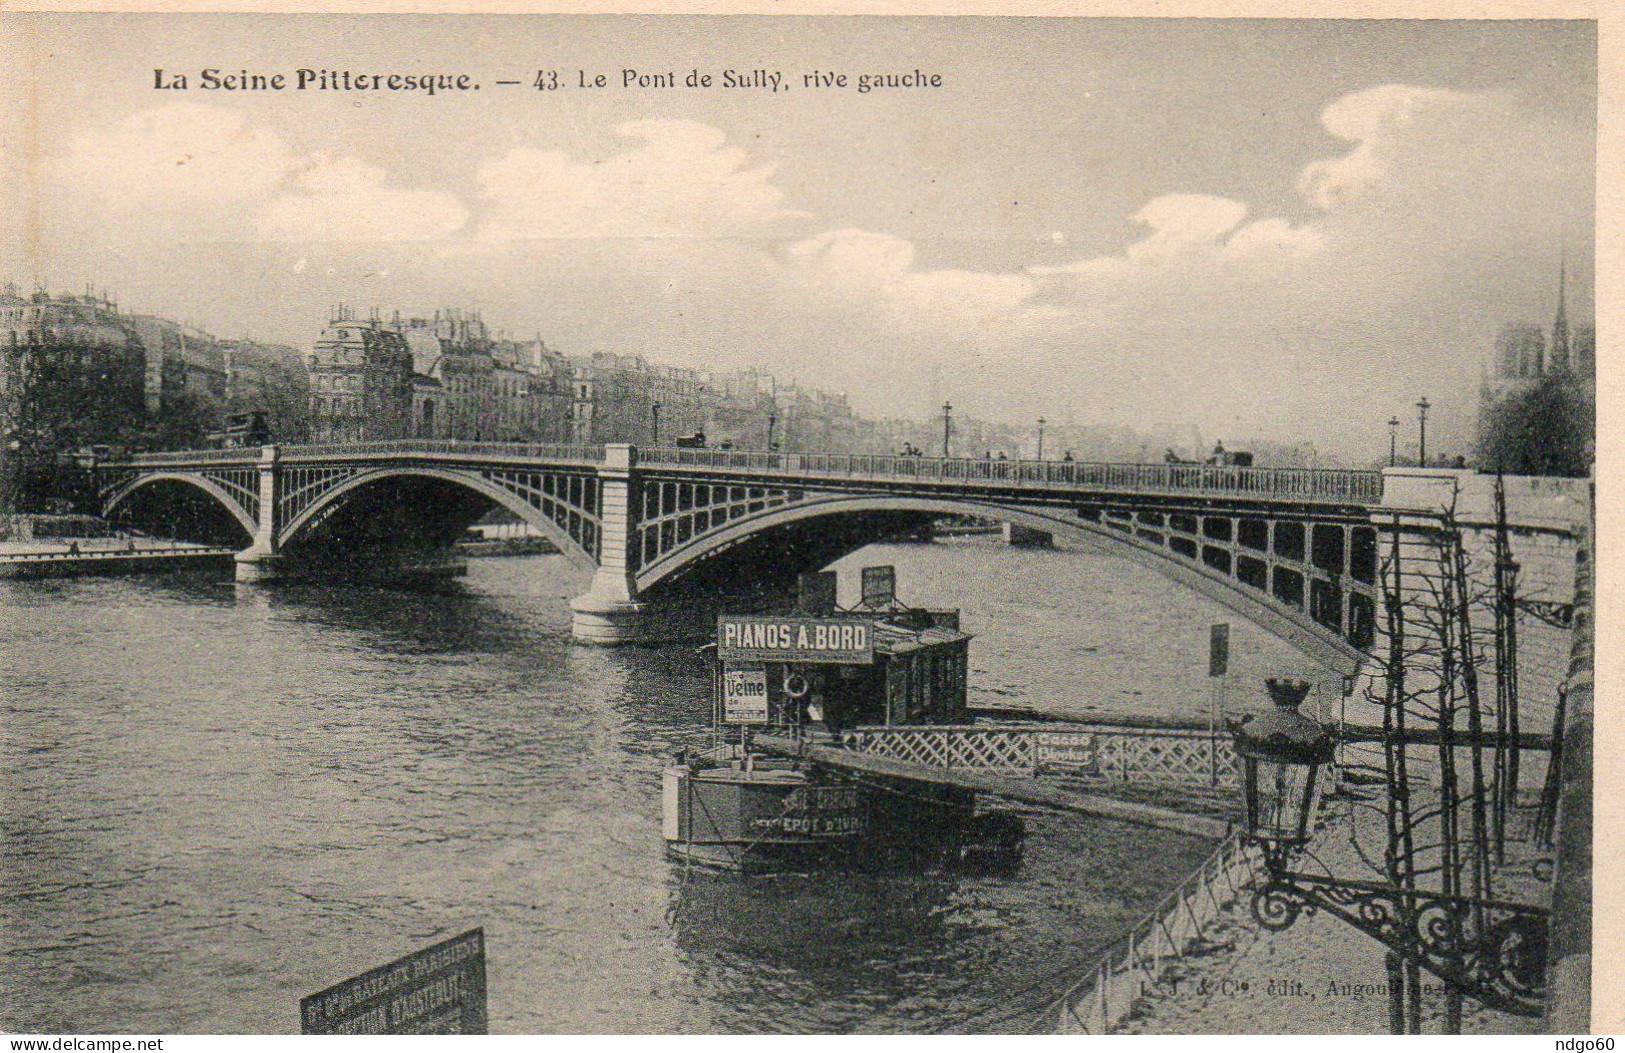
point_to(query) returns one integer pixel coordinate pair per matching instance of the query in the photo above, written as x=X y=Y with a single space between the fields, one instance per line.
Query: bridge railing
x=164 y=457
x=1323 y=484
x=540 y=451
x=1355 y=487
x=575 y=453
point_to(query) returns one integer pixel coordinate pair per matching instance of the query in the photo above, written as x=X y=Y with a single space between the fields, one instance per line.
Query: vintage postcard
x=518 y=522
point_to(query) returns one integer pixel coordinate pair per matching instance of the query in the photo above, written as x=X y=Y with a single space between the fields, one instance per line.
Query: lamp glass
x=1281 y=798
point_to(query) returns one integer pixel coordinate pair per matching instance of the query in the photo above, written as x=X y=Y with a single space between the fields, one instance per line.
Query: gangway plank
x=1024 y=790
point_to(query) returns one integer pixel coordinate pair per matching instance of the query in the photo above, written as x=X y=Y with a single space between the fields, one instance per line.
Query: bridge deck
x=1318 y=485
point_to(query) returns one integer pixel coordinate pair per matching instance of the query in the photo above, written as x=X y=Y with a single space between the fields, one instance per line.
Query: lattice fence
x=984 y=749
x=1144 y=756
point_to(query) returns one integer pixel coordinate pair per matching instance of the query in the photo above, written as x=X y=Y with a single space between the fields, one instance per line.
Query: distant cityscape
x=449 y=375
x=80 y=371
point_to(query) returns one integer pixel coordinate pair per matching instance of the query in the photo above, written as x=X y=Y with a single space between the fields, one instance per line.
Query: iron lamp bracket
x=1492 y=951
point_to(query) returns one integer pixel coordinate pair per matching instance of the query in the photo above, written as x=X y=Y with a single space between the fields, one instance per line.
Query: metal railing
x=246 y=455
x=1302 y=484
x=104 y=554
x=573 y=453
x=570 y=453
x=1106 y=752
x=1326 y=484
x=1131 y=965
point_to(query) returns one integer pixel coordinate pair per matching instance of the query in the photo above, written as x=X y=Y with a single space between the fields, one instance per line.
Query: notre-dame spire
x=1559 y=360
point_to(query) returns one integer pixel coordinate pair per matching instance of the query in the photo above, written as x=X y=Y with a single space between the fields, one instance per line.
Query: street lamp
x=1393 y=441
x=772 y=419
x=1422 y=424
x=1492 y=951
x=1281 y=755
x=654 y=412
x=947 y=425
x=1040 y=438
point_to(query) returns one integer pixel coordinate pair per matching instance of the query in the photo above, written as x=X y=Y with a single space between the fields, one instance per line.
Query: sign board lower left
x=439 y=990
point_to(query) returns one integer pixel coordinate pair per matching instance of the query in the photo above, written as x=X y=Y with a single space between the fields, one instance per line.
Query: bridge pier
x=257 y=564
x=609 y=612
x=1018 y=536
x=255 y=567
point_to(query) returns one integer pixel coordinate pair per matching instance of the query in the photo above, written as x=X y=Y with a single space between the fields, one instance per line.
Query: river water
x=217 y=799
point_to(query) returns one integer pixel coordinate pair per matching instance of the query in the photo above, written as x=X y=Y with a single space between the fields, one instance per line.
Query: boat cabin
x=852 y=669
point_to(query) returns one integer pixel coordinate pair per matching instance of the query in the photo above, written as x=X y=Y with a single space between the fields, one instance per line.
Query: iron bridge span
x=1293 y=549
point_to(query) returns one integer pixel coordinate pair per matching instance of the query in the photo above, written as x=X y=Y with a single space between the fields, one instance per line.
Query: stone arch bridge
x=667 y=533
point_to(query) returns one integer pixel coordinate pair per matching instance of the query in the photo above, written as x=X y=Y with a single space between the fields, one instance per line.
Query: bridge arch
x=317 y=511
x=220 y=494
x=1289 y=623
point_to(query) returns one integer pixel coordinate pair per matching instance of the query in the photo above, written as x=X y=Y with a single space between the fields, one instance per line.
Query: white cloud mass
x=345 y=199
x=194 y=173
x=679 y=182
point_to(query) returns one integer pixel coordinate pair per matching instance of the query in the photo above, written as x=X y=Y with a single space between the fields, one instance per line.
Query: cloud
x=1186 y=232
x=190 y=173
x=1181 y=222
x=681 y=181
x=880 y=269
x=178 y=167
x=345 y=199
x=1386 y=123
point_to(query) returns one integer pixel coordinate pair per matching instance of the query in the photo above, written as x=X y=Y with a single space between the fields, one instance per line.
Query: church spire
x=1559 y=360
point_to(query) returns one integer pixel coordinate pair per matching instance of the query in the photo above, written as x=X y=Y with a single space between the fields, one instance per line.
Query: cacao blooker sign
x=835 y=641
x=439 y=990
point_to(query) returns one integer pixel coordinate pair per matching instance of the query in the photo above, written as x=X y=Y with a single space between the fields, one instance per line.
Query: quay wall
x=90 y=564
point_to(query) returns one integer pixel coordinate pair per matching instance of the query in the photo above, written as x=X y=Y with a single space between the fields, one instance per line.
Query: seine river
x=215 y=800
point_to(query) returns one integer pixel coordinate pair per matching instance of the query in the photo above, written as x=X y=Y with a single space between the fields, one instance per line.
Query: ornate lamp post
x=947 y=425
x=1040 y=438
x=654 y=414
x=1422 y=408
x=772 y=420
x=1494 y=952
x=1393 y=441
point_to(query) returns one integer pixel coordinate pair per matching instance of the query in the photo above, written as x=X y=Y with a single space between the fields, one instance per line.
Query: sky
x=1287 y=230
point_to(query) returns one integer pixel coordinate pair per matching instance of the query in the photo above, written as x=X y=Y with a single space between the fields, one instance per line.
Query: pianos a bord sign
x=439 y=990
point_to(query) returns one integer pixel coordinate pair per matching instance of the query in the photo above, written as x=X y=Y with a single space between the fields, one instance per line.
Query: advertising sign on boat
x=835 y=641
x=744 y=695
x=819 y=811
